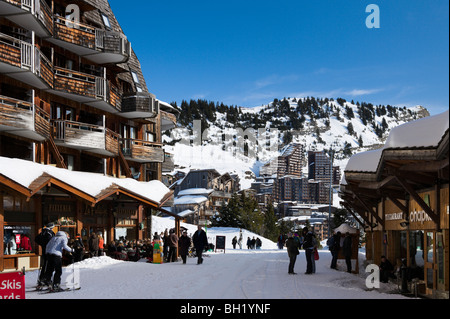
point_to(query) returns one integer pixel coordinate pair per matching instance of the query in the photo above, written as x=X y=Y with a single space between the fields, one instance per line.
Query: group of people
x=334 y=245
x=252 y=243
x=294 y=243
x=171 y=242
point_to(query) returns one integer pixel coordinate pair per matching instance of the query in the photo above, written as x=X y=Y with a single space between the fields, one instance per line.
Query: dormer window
x=106 y=21
x=136 y=81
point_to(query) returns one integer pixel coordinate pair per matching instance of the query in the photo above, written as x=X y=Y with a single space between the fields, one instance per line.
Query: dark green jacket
x=292 y=246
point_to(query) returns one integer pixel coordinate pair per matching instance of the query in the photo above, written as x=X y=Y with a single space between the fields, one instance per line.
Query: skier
x=200 y=242
x=42 y=240
x=54 y=249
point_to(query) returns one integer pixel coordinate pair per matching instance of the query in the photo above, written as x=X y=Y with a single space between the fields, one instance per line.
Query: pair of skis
x=50 y=290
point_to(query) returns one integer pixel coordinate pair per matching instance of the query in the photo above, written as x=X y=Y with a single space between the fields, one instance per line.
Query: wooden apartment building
x=73 y=95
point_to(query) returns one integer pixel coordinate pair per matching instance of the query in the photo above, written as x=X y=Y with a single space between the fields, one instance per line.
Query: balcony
x=86 y=88
x=24 y=62
x=168 y=164
x=139 y=105
x=142 y=151
x=33 y=15
x=23 y=119
x=168 y=120
x=97 y=45
x=86 y=137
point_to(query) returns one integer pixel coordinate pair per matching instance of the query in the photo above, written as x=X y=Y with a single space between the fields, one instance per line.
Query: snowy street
x=237 y=274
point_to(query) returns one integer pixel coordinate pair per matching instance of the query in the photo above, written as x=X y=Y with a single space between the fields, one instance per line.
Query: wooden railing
x=10 y=50
x=21 y=114
x=37 y=8
x=142 y=150
x=86 y=135
x=74 y=32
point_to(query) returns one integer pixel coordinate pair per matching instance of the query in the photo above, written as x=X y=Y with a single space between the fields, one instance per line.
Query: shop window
x=430 y=247
x=19 y=228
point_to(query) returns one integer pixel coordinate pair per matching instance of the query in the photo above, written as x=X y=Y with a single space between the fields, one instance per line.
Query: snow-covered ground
x=235 y=274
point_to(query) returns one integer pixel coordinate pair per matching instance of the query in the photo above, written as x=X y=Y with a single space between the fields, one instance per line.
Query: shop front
x=19 y=223
x=414 y=237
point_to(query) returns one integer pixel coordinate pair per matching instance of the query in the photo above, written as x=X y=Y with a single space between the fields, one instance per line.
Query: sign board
x=220 y=243
x=12 y=285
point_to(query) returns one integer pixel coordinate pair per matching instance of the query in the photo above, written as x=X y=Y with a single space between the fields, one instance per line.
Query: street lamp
x=331 y=191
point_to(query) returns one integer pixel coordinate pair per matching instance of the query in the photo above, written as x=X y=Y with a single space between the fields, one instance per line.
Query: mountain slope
x=241 y=140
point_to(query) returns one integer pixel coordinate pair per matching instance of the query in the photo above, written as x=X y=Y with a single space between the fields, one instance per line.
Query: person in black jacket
x=334 y=245
x=184 y=243
x=386 y=270
x=42 y=240
x=293 y=247
x=200 y=241
x=78 y=249
x=347 y=250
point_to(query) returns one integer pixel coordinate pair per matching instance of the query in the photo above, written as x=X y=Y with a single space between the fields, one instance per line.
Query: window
x=135 y=77
x=106 y=21
x=19 y=226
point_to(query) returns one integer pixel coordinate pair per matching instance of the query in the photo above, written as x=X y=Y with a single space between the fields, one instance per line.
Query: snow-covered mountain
x=240 y=140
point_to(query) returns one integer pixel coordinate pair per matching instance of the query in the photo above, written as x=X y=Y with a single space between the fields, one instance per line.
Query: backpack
x=330 y=243
x=44 y=237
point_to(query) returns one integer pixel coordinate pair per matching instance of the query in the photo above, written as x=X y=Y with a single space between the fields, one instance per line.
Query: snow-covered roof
x=423 y=133
x=188 y=199
x=365 y=161
x=26 y=172
x=344 y=228
x=426 y=132
x=195 y=191
x=186 y=212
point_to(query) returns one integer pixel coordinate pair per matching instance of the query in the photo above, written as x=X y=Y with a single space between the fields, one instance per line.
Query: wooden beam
x=353 y=214
x=418 y=199
x=370 y=210
x=426 y=166
x=397 y=203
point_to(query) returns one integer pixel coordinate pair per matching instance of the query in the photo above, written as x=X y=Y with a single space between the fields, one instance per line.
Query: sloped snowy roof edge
x=25 y=173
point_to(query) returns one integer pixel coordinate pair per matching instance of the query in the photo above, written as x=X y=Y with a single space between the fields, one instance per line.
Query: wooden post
x=2 y=219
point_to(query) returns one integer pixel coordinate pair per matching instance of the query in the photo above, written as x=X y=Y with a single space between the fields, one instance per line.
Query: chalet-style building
x=73 y=97
x=400 y=195
x=201 y=193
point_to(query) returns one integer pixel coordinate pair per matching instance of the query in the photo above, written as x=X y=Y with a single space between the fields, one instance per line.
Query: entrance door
x=430 y=271
x=440 y=261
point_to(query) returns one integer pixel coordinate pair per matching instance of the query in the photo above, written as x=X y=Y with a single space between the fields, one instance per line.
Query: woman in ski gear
x=54 y=248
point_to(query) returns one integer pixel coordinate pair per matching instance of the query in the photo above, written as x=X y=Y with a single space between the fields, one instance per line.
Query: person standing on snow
x=334 y=244
x=173 y=244
x=309 y=244
x=200 y=242
x=234 y=242
x=42 y=240
x=184 y=243
x=347 y=250
x=293 y=247
x=54 y=249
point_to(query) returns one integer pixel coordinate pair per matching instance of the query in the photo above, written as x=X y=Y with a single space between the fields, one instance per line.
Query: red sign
x=12 y=285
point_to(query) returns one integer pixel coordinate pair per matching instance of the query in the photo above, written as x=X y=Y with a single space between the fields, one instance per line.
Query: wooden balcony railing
x=24 y=115
x=142 y=151
x=79 y=83
x=85 y=136
x=23 y=55
x=38 y=9
x=74 y=32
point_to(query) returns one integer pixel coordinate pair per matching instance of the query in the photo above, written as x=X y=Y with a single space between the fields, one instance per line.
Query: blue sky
x=249 y=53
